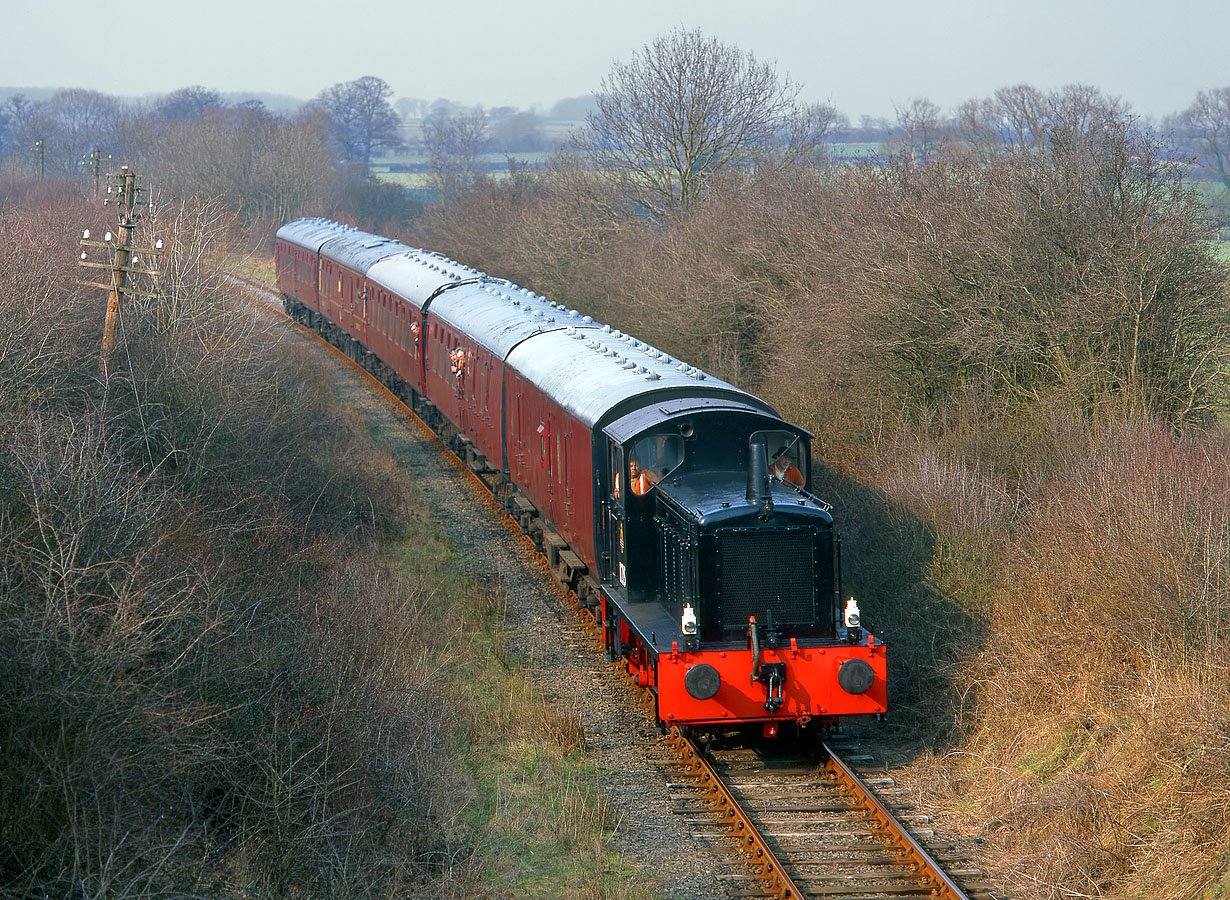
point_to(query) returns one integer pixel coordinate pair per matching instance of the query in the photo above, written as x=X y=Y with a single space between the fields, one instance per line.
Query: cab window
x=785 y=452
x=653 y=458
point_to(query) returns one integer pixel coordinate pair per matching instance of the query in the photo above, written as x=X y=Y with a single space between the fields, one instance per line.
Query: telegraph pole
x=122 y=191
x=93 y=162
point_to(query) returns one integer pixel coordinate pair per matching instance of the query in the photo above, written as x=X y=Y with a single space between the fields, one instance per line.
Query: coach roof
x=358 y=250
x=598 y=374
x=417 y=274
x=311 y=233
x=499 y=315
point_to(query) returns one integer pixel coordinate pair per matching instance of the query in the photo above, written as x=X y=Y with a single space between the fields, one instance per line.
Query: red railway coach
x=404 y=284
x=297 y=258
x=649 y=484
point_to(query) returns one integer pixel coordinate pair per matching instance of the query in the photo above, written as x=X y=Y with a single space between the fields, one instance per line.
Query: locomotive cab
x=707 y=516
x=724 y=571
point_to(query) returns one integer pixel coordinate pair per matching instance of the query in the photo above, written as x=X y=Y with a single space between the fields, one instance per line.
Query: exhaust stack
x=758 y=490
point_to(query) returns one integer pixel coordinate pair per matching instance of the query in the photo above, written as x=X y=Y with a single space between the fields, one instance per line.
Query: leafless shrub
x=1008 y=348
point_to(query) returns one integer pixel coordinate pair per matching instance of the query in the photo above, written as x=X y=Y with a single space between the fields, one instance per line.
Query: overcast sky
x=863 y=56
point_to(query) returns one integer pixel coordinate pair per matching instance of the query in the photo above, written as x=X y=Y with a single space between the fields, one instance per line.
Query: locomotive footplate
x=653 y=626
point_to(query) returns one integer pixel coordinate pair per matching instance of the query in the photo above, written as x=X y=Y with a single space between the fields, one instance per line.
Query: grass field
x=413 y=180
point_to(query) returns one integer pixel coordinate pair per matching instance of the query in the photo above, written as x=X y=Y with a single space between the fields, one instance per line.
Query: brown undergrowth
x=211 y=684
x=1079 y=724
x=1015 y=362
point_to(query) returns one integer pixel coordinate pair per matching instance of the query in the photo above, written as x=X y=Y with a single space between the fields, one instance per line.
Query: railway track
x=809 y=826
x=803 y=826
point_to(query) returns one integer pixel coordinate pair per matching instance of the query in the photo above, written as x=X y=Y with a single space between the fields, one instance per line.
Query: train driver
x=641 y=479
x=784 y=470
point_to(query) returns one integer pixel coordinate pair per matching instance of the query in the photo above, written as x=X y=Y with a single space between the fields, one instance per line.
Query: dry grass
x=1093 y=711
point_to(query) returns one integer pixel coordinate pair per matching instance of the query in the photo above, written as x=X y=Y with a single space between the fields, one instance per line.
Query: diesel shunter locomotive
x=675 y=505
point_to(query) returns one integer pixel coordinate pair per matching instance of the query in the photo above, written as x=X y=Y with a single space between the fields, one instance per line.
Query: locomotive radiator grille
x=761 y=571
x=678 y=564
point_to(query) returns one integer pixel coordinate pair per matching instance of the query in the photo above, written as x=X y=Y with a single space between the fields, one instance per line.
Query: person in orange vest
x=783 y=470
x=642 y=479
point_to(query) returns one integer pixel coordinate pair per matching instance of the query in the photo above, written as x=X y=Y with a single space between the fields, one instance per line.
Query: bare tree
x=454 y=144
x=363 y=119
x=1073 y=259
x=189 y=103
x=686 y=108
x=258 y=165
x=411 y=107
x=72 y=121
x=519 y=132
x=1014 y=117
x=920 y=128
x=1208 y=123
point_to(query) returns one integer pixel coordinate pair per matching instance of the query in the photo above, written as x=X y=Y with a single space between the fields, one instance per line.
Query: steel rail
x=744 y=830
x=944 y=886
